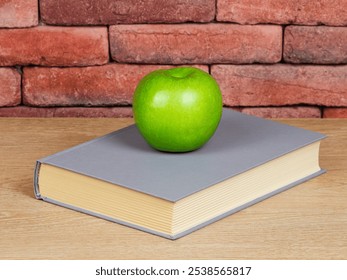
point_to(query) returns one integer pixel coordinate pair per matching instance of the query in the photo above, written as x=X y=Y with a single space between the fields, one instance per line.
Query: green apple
x=178 y=109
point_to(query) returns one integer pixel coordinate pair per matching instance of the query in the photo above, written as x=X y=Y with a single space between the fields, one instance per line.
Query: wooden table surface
x=305 y=222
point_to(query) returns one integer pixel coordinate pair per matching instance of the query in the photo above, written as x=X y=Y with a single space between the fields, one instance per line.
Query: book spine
x=36 y=180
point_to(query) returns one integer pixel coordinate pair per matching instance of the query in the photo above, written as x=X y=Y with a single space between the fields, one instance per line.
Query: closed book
x=120 y=178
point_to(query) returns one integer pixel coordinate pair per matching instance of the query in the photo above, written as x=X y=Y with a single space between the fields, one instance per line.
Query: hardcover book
x=118 y=177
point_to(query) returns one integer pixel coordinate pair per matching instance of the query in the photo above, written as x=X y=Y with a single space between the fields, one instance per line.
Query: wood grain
x=306 y=222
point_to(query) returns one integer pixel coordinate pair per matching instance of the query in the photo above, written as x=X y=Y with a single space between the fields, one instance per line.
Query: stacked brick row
x=275 y=58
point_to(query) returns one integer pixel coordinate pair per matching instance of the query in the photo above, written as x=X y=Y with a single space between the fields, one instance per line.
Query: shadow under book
x=120 y=178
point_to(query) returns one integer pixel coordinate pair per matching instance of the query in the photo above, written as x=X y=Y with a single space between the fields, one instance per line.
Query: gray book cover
x=240 y=143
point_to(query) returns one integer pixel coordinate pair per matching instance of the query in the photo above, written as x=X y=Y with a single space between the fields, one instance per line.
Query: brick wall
x=275 y=58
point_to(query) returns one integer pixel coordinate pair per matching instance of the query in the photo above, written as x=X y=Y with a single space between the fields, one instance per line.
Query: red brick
x=263 y=85
x=196 y=43
x=10 y=93
x=54 y=46
x=335 y=113
x=112 y=84
x=319 y=44
x=283 y=112
x=328 y=12
x=79 y=12
x=18 y=13
x=99 y=112
x=26 y=112
x=74 y=112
